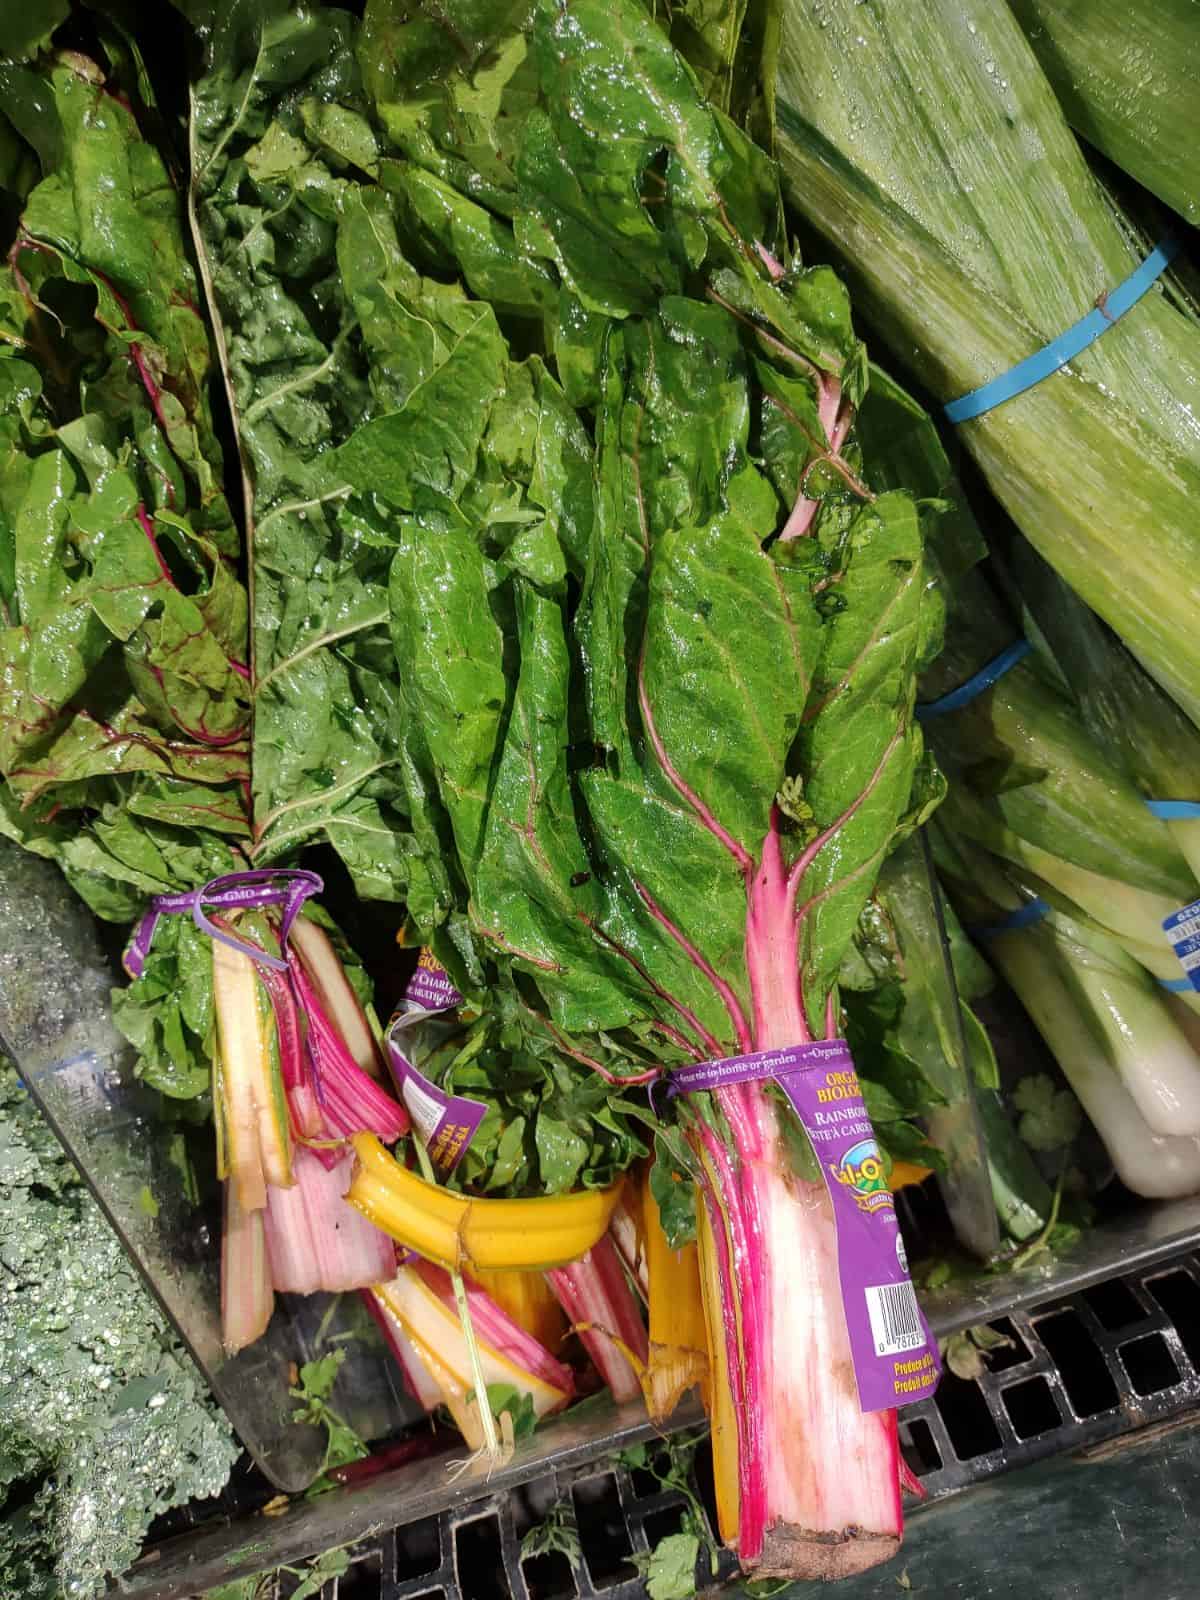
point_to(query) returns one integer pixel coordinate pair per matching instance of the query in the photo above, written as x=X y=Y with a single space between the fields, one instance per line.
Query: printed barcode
x=422 y=1107
x=1185 y=930
x=895 y=1325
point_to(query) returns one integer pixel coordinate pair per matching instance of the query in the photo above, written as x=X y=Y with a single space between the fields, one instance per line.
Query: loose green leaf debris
x=1050 y=1114
x=312 y=1578
x=314 y=1387
x=670 y=1568
x=673 y=1187
x=966 y=1353
x=507 y=1399
x=556 y=1534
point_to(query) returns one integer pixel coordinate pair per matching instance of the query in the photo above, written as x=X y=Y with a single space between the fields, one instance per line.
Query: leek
x=924 y=144
x=1108 y=1026
x=987 y=1172
x=1029 y=783
x=1138 y=727
x=1126 y=77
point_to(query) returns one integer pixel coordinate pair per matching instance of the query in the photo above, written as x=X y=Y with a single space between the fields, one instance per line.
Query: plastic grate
x=474 y=1553
x=1087 y=1367
x=1082 y=1368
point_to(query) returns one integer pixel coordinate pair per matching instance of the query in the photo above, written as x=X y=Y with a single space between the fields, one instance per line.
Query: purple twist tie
x=288 y=887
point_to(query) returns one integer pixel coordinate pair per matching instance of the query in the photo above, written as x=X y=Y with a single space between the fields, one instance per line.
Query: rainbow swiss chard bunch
x=657 y=646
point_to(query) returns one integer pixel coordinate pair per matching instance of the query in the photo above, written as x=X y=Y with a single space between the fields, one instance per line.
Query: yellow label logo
x=862 y=1171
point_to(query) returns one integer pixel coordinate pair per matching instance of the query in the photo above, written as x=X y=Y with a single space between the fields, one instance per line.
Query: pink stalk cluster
x=596 y=1295
x=315 y=1241
x=307 y=1239
x=418 y=1315
x=329 y=1094
x=819 y=1479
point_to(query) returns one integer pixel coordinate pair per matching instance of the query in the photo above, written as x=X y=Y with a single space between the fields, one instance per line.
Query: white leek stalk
x=1083 y=1043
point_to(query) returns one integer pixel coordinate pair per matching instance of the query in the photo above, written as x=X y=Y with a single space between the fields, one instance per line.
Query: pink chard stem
x=597 y=1297
x=835 y=420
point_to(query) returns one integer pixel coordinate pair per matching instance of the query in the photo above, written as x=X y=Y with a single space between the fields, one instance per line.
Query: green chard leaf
x=607 y=767
x=627 y=178
x=860 y=745
x=123 y=626
x=275 y=119
x=453 y=100
x=673 y=1188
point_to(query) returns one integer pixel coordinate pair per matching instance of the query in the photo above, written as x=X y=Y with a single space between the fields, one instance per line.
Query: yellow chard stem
x=479 y=1395
x=678 y=1339
x=719 y=1396
x=529 y=1300
x=465 y=1234
x=241 y=1046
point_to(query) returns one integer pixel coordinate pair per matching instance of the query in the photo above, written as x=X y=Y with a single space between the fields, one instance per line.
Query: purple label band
x=762 y=1064
x=430 y=988
x=288 y=887
x=894 y=1354
x=446 y=1123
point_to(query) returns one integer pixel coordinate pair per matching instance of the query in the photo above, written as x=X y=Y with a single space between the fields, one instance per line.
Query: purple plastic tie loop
x=288 y=887
x=250 y=890
x=752 y=1068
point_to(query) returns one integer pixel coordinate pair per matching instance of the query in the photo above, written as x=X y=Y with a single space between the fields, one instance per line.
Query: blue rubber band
x=1046 y=361
x=1174 y=810
x=983 y=679
x=1176 y=985
x=1023 y=917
